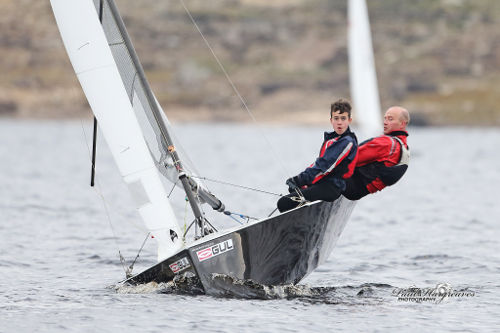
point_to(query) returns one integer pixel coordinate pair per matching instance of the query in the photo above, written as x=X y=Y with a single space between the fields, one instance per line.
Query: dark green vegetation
x=439 y=58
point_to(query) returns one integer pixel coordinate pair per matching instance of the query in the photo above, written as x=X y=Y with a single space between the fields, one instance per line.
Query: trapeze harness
x=377 y=175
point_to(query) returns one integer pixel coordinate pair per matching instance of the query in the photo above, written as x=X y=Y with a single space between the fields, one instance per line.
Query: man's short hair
x=342 y=106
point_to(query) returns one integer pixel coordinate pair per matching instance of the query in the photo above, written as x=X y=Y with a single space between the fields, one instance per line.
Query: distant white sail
x=95 y=51
x=362 y=75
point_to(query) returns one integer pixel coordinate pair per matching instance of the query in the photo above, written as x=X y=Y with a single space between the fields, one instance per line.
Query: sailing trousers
x=326 y=191
x=355 y=187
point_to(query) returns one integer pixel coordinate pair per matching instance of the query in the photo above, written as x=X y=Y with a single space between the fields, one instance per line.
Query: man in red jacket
x=382 y=160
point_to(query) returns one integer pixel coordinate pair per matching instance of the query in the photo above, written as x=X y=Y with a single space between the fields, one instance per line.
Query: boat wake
x=182 y=284
x=225 y=286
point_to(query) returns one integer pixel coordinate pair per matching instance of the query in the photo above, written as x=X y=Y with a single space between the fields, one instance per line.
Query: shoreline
x=270 y=122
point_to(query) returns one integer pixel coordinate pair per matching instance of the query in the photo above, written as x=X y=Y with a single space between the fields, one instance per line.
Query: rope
x=248 y=218
x=185 y=222
x=206 y=222
x=235 y=219
x=173 y=188
x=275 y=209
x=236 y=185
x=189 y=227
x=236 y=91
x=299 y=193
x=299 y=199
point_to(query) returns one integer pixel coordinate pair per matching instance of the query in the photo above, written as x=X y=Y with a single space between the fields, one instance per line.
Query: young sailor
x=382 y=160
x=325 y=178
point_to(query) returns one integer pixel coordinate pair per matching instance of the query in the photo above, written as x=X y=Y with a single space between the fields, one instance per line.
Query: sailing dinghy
x=282 y=249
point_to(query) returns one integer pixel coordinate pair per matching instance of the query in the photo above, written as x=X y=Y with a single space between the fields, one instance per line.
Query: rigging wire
x=236 y=185
x=236 y=91
x=100 y=195
x=128 y=273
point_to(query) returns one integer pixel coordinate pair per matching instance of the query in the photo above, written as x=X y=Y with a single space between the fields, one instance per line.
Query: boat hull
x=279 y=250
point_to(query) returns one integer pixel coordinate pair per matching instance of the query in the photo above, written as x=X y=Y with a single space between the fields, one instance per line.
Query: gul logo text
x=215 y=250
x=179 y=265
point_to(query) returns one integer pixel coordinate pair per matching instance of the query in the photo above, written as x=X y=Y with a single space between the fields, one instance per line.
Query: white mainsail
x=362 y=75
x=115 y=106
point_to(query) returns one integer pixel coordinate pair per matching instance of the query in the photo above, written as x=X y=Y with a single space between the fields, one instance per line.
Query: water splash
x=184 y=284
x=225 y=286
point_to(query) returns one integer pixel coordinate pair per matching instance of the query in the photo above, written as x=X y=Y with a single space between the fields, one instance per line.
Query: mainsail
x=362 y=75
x=154 y=123
x=130 y=118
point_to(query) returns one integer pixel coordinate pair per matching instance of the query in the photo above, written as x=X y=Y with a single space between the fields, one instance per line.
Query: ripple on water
x=8 y=263
x=56 y=243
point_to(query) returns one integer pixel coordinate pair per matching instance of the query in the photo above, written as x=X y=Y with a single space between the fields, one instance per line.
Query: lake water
x=59 y=238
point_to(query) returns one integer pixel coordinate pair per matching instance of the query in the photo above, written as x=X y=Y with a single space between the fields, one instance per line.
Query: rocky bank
x=439 y=58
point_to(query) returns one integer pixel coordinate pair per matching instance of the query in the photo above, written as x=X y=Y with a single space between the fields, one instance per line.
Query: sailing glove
x=292 y=184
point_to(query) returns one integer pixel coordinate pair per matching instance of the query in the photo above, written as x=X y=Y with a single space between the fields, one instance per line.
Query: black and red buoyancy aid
x=344 y=167
x=336 y=160
x=383 y=160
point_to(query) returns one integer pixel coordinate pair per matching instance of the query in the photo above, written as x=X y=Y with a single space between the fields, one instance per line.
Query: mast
x=195 y=206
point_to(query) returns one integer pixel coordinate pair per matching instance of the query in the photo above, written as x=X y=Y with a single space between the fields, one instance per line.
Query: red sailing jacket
x=377 y=156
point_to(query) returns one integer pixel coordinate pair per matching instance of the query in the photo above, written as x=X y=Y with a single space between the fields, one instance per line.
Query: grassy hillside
x=440 y=58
